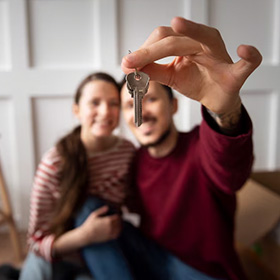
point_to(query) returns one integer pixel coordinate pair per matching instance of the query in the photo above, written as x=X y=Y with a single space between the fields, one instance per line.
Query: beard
x=160 y=140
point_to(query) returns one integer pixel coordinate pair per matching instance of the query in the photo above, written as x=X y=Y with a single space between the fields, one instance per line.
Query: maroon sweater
x=187 y=198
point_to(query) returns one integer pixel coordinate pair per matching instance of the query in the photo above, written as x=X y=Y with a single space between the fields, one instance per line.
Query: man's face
x=157 y=112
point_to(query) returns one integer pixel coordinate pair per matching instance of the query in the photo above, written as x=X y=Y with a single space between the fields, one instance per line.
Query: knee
x=91 y=204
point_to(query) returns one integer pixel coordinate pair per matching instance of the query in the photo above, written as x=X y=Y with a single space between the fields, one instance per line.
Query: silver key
x=137 y=85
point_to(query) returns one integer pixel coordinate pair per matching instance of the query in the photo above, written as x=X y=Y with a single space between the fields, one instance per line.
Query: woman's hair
x=74 y=170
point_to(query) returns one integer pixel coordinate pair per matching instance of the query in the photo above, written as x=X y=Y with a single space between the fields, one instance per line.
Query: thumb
x=101 y=211
x=250 y=60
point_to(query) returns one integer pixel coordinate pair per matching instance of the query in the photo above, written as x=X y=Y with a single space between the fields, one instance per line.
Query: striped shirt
x=108 y=178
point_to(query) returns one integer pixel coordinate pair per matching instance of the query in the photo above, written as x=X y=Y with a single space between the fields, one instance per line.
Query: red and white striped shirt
x=108 y=177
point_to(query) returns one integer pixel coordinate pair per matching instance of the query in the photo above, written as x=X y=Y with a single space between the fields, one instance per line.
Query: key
x=137 y=85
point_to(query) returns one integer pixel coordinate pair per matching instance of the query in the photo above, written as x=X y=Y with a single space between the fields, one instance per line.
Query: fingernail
x=130 y=57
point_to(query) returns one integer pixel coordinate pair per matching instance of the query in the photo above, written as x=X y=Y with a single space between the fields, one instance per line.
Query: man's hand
x=202 y=69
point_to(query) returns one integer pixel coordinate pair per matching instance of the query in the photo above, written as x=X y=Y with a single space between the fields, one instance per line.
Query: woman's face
x=98 y=108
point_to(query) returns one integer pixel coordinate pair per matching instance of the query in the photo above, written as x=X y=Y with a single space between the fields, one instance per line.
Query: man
x=186 y=182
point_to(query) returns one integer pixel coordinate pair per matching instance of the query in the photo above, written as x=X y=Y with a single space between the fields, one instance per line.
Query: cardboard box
x=258 y=212
x=269 y=179
x=258 y=220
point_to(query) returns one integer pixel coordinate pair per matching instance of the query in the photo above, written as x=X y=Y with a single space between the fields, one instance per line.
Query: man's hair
x=168 y=89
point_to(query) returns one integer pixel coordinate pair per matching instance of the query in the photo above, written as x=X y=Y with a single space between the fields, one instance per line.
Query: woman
x=88 y=162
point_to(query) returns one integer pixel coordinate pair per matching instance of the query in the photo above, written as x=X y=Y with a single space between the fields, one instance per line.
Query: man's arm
x=226 y=160
x=229 y=122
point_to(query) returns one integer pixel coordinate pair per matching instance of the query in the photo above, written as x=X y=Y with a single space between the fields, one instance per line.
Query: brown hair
x=74 y=171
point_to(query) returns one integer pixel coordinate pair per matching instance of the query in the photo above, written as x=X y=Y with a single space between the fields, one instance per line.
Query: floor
x=253 y=267
x=7 y=255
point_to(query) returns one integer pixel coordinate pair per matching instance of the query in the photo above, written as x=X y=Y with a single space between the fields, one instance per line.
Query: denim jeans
x=104 y=260
x=132 y=255
x=37 y=268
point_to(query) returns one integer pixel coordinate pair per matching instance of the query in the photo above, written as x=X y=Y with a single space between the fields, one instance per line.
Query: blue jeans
x=104 y=260
x=132 y=256
x=37 y=268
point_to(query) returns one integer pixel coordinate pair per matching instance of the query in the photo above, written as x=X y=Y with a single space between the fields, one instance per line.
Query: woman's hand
x=99 y=228
x=96 y=228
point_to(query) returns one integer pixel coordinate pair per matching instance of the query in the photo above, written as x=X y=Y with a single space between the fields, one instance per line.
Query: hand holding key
x=137 y=84
x=202 y=69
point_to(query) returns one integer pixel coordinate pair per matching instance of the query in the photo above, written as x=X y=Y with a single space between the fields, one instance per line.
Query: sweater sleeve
x=227 y=160
x=42 y=203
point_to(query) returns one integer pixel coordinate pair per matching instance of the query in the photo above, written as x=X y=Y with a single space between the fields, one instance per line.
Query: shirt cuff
x=244 y=125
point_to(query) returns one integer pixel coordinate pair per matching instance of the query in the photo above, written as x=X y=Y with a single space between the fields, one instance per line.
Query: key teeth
x=137 y=90
x=138 y=123
x=130 y=90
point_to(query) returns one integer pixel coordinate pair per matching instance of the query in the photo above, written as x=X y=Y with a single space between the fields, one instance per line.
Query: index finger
x=158 y=34
x=168 y=46
x=183 y=38
x=201 y=33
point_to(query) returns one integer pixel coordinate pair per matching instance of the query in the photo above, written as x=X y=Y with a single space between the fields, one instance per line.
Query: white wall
x=48 y=46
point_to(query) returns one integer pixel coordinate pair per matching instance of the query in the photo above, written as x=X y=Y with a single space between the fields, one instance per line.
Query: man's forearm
x=228 y=122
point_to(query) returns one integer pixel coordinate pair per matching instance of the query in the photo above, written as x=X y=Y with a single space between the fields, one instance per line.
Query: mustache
x=148 y=118
x=160 y=140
